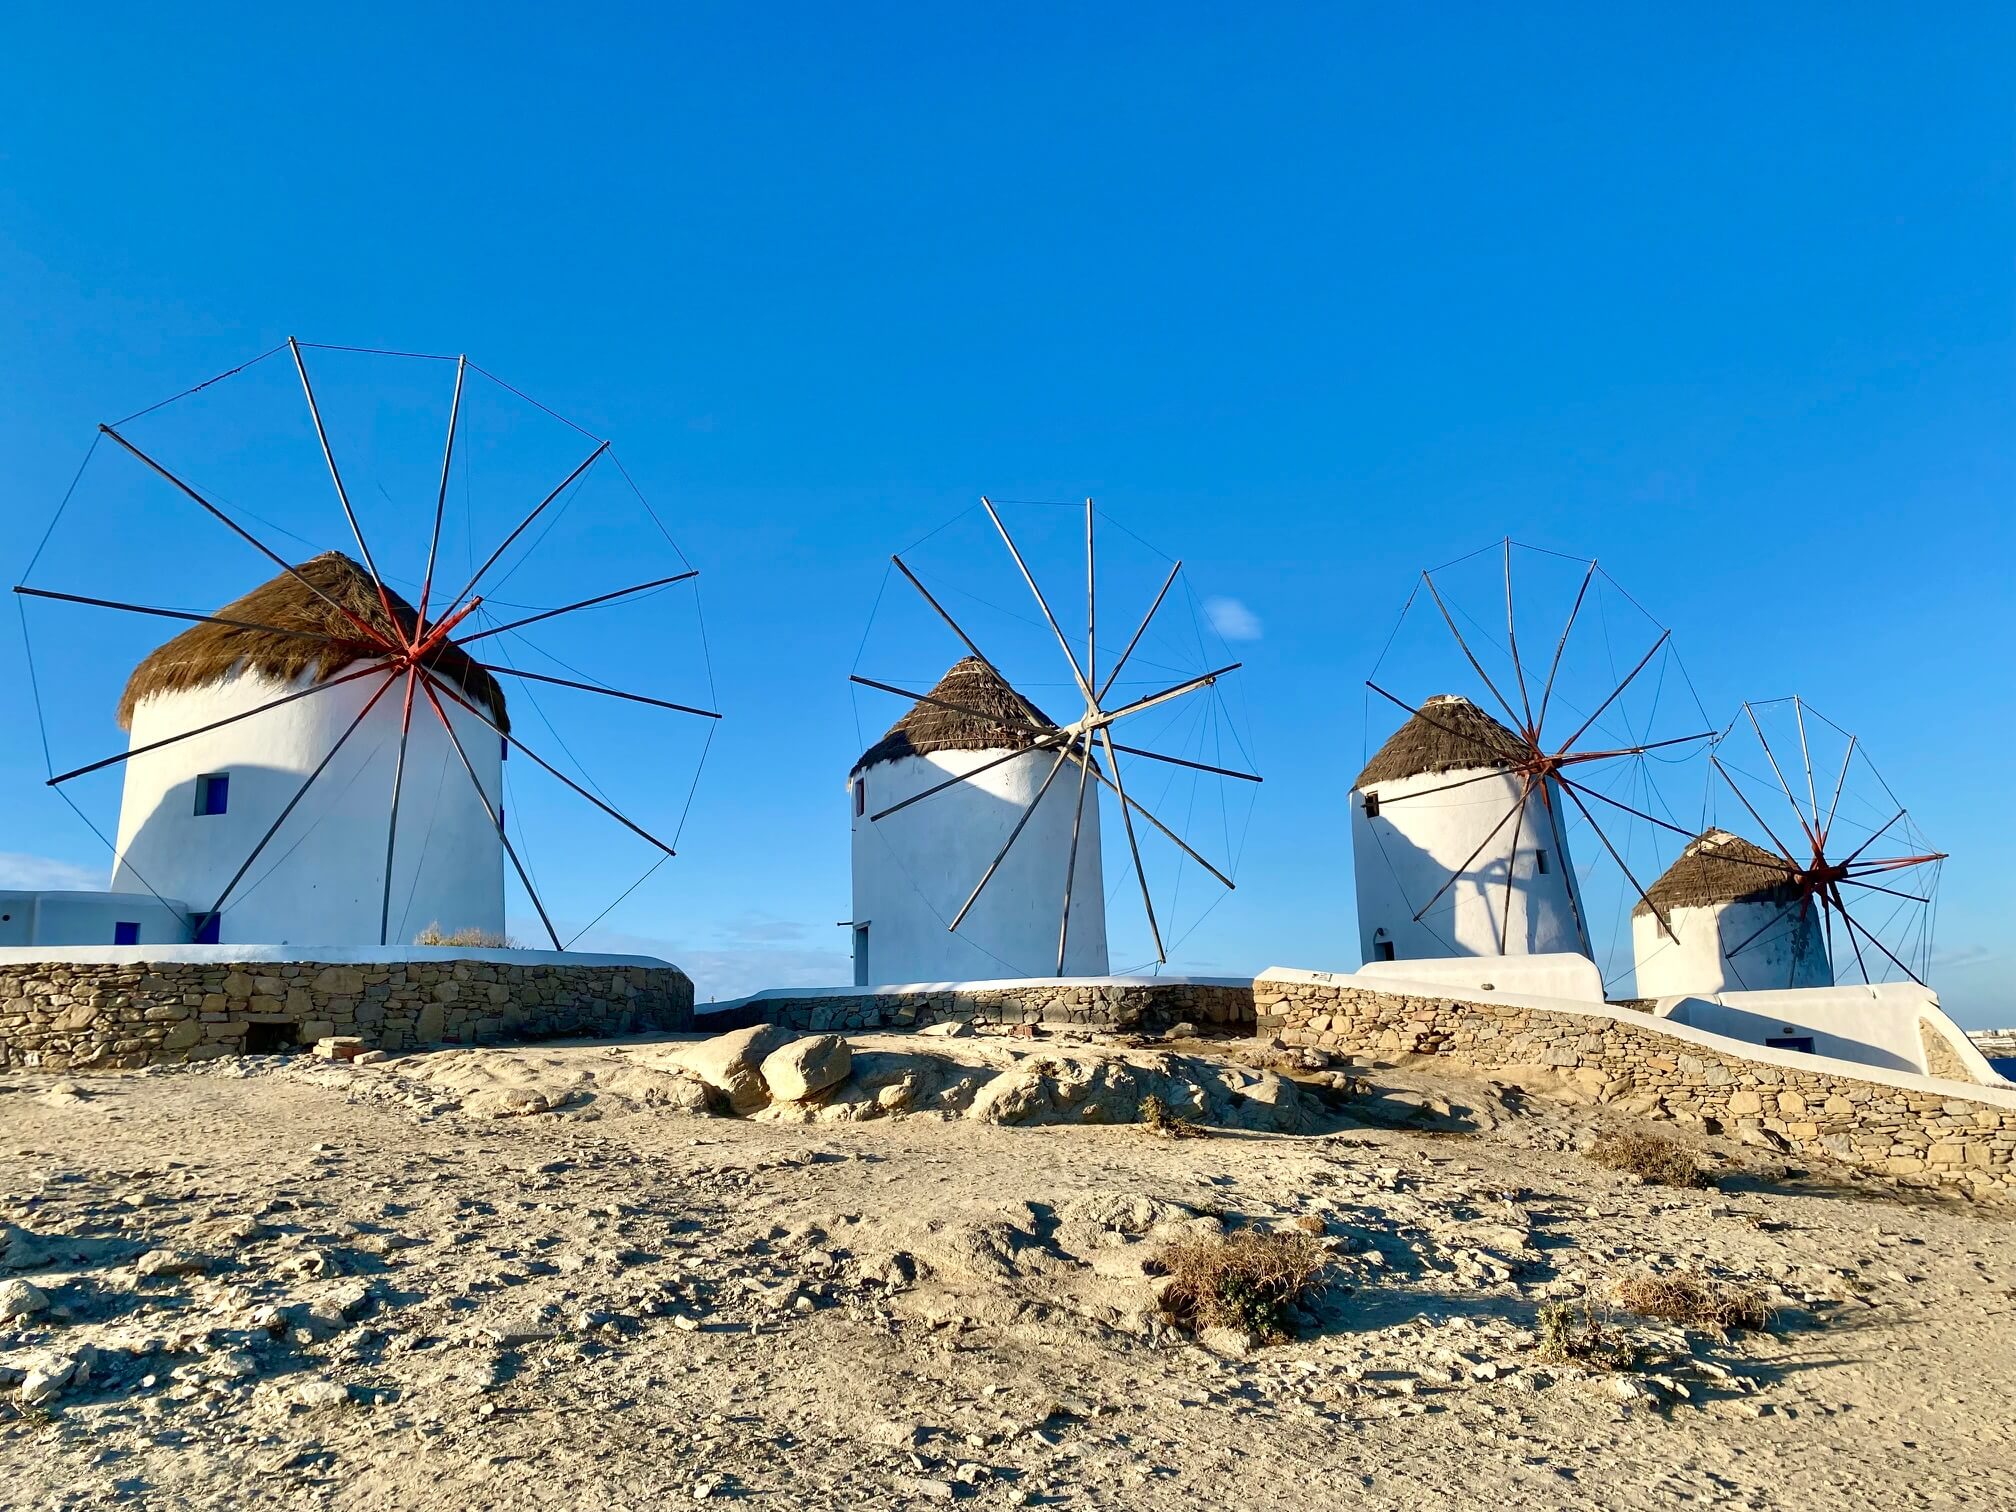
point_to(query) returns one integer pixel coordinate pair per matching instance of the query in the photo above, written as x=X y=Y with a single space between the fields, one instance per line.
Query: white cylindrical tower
x=193 y=811
x=1437 y=802
x=914 y=869
x=1737 y=925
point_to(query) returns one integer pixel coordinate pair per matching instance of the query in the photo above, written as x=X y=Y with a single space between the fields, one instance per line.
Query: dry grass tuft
x=1157 y=1118
x=1691 y=1298
x=1247 y=1280
x=1566 y=1339
x=1650 y=1157
x=433 y=934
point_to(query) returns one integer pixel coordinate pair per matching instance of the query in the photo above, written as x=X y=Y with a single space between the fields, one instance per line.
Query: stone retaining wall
x=62 y=1015
x=1920 y=1135
x=1148 y=1004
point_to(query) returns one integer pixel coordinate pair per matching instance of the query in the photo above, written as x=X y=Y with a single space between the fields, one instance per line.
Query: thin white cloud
x=46 y=873
x=1232 y=619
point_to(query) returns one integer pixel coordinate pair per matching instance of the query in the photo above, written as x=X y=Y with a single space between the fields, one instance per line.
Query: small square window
x=1371 y=805
x=860 y=796
x=213 y=792
x=125 y=933
x=1382 y=950
x=203 y=928
x=1803 y=1043
x=1540 y=862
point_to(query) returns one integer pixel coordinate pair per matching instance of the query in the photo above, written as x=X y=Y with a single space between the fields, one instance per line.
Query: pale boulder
x=806 y=1067
x=732 y=1063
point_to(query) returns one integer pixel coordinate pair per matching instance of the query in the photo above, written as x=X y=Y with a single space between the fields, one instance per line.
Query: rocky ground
x=925 y=1269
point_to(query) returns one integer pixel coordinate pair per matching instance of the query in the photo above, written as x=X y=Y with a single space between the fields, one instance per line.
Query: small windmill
x=333 y=623
x=1460 y=814
x=1085 y=741
x=1813 y=871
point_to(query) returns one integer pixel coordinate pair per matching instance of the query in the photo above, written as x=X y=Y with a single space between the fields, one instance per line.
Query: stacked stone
x=59 y=1015
x=1921 y=1136
x=1145 y=1005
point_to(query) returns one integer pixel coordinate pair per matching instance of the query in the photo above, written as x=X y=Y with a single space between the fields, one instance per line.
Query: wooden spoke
x=1199 y=766
x=448 y=688
x=300 y=793
x=1456 y=875
x=952 y=782
x=180 y=614
x=1806 y=755
x=1475 y=665
x=1873 y=838
x=371 y=636
x=1077 y=672
x=1139 y=631
x=1742 y=798
x=398 y=786
x=1495 y=753
x=1834 y=806
x=563 y=682
x=1576 y=758
x=440 y=501
x=537 y=510
x=1872 y=887
x=1071 y=866
x=342 y=493
x=1190 y=685
x=993 y=719
x=1772 y=758
x=1129 y=801
x=1634 y=813
x=1445 y=787
x=1554 y=667
x=1512 y=863
x=1140 y=872
x=217 y=724
x=496 y=819
x=1615 y=692
x=1512 y=640
x=587 y=603
x=944 y=614
x=1013 y=835
x=1665 y=923
x=1849 y=919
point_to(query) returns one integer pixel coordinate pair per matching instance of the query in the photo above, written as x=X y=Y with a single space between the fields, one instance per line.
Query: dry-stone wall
x=1156 y=1005
x=1917 y=1135
x=61 y=1015
x=1941 y=1059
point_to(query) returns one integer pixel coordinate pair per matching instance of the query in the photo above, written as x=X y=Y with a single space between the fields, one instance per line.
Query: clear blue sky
x=1314 y=297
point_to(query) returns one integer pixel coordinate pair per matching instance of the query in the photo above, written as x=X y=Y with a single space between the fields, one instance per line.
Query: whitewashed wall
x=1695 y=960
x=319 y=881
x=1409 y=850
x=913 y=870
x=59 y=918
x=1872 y=1026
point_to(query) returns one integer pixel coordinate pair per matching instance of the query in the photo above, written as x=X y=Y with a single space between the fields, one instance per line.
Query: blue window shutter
x=125 y=933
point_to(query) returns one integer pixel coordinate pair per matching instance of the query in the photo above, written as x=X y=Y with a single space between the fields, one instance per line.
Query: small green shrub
x=1569 y=1339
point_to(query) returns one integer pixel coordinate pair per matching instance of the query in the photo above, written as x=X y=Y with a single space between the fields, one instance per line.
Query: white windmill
x=976 y=824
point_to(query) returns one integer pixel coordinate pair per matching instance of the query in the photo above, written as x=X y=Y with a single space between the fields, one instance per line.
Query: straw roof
x=971 y=684
x=1718 y=867
x=204 y=654
x=1448 y=734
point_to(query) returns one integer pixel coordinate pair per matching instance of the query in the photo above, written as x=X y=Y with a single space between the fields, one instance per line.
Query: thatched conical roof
x=1447 y=734
x=204 y=654
x=1718 y=867
x=928 y=727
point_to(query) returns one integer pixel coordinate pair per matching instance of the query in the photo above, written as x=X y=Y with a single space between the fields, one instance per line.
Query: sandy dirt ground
x=280 y=1282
